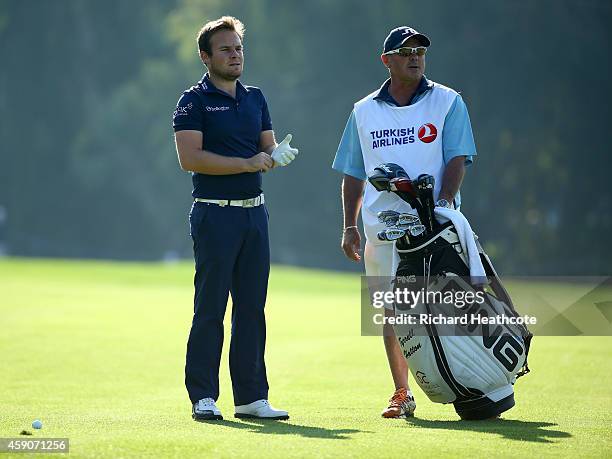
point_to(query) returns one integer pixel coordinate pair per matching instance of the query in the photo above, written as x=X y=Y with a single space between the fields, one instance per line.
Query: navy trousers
x=232 y=255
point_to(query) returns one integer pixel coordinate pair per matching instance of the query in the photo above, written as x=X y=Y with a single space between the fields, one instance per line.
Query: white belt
x=252 y=202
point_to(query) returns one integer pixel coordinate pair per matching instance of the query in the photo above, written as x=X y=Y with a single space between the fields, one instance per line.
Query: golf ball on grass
x=37 y=424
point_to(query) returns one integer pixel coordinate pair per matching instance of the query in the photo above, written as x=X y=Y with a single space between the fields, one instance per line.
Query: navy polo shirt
x=230 y=127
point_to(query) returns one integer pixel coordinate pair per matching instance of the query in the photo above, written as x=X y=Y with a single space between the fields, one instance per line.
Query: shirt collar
x=208 y=87
x=383 y=93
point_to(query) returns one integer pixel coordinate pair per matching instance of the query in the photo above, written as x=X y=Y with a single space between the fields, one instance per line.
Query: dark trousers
x=232 y=254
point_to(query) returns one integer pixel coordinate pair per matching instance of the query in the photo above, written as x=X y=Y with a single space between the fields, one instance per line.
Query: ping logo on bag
x=506 y=348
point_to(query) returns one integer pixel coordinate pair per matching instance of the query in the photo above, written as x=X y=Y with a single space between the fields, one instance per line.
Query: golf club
x=391 y=234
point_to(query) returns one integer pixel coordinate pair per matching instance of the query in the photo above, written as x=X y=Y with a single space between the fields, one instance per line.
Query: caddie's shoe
x=206 y=410
x=401 y=405
x=260 y=409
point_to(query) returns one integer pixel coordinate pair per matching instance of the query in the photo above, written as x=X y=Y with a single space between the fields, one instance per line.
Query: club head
x=407 y=219
x=379 y=181
x=391 y=170
x=391 y=234
x=402 y=184
x=383 y=173
x=388 y=217
x=404 y=188
x=424 y=181
x=416 y=230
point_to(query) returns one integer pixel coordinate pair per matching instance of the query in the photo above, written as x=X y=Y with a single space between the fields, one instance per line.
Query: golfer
x=424 y=127
x=224 y=137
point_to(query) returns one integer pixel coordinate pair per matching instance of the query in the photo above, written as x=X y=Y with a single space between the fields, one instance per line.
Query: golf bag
x=473 y=366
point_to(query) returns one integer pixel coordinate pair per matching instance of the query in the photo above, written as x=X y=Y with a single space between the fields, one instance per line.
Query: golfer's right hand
x=260 y=162
x=351 y=243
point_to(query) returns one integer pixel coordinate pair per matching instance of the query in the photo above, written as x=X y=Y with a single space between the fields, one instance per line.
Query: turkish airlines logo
x=427 y=133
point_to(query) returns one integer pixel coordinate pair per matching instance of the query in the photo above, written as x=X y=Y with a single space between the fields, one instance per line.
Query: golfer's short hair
x=223 y=23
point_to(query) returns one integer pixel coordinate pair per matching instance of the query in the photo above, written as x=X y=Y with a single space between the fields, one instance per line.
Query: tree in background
x=87 y=91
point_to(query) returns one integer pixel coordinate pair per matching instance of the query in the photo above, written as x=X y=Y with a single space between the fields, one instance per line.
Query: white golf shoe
x=206 y=410
x=260 y=409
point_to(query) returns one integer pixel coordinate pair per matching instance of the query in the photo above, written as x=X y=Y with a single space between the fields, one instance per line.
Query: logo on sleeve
x=183 y=111
x=427 y=133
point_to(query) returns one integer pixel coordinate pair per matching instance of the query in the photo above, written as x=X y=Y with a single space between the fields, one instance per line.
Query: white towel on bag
x=467 y=240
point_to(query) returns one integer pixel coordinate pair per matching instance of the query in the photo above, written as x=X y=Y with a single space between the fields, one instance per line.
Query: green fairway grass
x=96 y=351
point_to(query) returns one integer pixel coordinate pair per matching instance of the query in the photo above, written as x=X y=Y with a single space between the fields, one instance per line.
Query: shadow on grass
x=508 y=428
x=263 y=426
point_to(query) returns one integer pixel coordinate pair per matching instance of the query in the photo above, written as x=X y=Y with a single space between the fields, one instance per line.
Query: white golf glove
x=283 y=154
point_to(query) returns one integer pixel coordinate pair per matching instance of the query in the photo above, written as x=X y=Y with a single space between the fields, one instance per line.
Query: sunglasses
x=407 y=51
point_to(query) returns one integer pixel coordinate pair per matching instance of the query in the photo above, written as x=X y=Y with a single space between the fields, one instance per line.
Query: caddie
x=420 y=125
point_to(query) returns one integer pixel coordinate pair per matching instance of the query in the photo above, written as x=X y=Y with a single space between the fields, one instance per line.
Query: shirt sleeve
x=457 y=136
x=266 y=121
x=349 y=159
x=188 y=115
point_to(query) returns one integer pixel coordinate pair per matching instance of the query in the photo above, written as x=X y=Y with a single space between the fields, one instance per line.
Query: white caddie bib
x=409 y=136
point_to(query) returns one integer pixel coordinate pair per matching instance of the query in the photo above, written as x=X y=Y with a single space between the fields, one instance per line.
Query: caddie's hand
x=260 y=162
x=351 y=242
x=283 y=154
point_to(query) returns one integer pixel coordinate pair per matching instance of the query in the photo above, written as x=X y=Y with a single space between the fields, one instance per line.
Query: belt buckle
x=249 y=202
